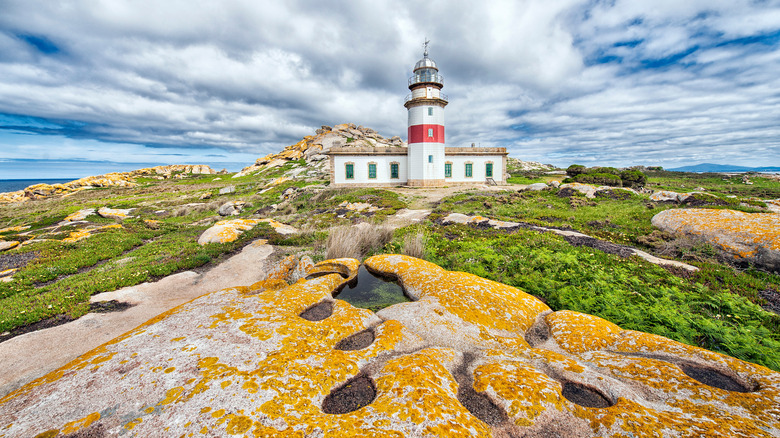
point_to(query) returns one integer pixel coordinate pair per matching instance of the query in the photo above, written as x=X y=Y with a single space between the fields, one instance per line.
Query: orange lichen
x=473 y=299
x=251 y=365
x=737 y=232
x=578 y=332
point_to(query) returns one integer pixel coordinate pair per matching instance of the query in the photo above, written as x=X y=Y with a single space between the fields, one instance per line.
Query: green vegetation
x=714 y=183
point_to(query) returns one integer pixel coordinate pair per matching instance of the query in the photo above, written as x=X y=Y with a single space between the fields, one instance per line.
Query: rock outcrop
x=515 y=164
x=229 y=230
x=469 y=357
x=8 y=244
x=115 y=179
x=753 y=237
x=314 y=147
x=114 y=213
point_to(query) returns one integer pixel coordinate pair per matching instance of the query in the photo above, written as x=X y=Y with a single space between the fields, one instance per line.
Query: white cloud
x=555 y=81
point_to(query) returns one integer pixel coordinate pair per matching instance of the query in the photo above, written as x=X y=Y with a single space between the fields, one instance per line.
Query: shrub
x=633 y=178
x=575 y=169
x=605 y=179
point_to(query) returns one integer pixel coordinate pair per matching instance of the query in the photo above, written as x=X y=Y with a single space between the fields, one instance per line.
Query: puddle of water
x=372 y=292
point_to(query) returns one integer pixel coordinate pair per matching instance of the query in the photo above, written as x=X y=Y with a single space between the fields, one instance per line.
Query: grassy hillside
x=719 y=307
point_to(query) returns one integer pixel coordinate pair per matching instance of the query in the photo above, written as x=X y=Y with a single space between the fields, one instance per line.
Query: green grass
x=620 y=221
x=719 y=184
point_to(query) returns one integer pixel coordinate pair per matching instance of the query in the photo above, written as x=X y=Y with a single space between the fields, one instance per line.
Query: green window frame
x=488 y=170
x=430 y=110
x=393 y=170
x=469 y=170
x=448 y=170
x=372 y=171
x=350 y=171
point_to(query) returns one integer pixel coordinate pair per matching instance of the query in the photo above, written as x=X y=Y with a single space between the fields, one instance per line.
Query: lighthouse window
x=372 y=171
x=448 y=170
x=430 y=132
x=489 y=170
x=469 y=170
x=430 y=110
x=350 y=171
x=394 y=170
x=430 y=158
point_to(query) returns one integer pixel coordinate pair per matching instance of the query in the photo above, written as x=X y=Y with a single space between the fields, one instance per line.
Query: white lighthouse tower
x=426 y=124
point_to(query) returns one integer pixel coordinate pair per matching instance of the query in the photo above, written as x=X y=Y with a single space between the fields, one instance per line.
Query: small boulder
x=115 y=213
x=226 y=231
x=79 y=215
x=232 y=208
x=226 y=190
x=280 y=227
x=555 y=184
x=206 y=195
x=537 y=187
x=587 y=190
x=6 y=244
x=669 y=196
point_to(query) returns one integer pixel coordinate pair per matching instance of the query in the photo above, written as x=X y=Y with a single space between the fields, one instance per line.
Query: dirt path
x=32 y=355
x=427 y=197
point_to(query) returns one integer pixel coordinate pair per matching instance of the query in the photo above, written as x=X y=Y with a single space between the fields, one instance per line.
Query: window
x=372 y=170
x=430 y=110
x=350 y=171
x=469 y=170
x=394 y=170
x=430 y=132
x=448 y=170
x=430 y=158
x=488 y=170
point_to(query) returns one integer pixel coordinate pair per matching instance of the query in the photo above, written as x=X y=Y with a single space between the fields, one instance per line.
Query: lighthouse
x=425 y=106
x=425 y=161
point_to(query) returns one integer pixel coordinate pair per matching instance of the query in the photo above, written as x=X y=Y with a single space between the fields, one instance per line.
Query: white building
x=426 y=161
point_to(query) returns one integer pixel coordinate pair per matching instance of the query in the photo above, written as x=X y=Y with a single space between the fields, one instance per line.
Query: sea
x=12 y=185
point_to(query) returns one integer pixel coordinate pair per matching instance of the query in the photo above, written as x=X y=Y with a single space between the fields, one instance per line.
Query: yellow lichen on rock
x=470 y=357
x=488 y=304
x=226 y=230
x=745 y=235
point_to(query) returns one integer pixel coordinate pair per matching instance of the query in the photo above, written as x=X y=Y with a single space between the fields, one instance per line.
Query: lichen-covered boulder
x=665 y=196
x=586 y=189
x=115 y=213
x=537 y=187
x=753 y=237
x=79 y=215
x=469 y=357
x=8 y=244
x=226 y=231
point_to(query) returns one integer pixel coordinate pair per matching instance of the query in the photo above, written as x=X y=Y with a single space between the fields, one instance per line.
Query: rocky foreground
x=468 y=357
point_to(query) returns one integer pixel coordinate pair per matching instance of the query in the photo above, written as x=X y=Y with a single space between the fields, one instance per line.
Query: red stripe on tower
x=426 y=134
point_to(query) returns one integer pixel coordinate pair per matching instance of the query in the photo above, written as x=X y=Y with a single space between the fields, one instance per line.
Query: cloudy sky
x=93 y=86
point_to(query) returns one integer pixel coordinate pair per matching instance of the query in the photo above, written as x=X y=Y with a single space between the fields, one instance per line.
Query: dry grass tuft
x=356 y=241
x=414 y=245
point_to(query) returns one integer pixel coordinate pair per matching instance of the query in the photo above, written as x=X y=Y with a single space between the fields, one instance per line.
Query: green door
x=489 y=170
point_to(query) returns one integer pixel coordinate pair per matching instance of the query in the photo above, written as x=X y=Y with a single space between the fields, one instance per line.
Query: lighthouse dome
x=426 y=62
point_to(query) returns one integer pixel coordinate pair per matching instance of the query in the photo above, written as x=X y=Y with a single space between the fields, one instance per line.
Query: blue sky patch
x=41 y=43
